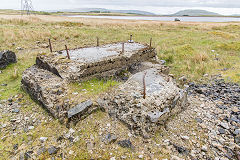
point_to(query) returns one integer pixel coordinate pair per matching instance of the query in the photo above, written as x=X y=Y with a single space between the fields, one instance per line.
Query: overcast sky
x=226 y=7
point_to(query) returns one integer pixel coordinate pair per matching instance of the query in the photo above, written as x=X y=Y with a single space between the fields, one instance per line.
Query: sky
x=225 y=7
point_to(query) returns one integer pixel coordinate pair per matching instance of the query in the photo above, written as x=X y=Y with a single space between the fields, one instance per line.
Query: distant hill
x=236 y=15
x=192 y=12
x=103 y=10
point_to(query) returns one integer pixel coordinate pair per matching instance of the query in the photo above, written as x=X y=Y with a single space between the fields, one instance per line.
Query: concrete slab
x=93 y=54
x=86 y=63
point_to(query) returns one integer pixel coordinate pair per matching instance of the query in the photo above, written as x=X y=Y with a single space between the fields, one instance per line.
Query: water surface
x=184 y=19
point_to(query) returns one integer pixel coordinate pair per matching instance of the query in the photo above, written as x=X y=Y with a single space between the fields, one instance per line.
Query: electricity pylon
x=26 y=7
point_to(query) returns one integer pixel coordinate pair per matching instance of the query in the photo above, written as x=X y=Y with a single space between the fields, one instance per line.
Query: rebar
x=67 y=52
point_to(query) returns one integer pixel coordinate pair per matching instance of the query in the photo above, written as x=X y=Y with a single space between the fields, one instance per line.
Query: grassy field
x=190 y=49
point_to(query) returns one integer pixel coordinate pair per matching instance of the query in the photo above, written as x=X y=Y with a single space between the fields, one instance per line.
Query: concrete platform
x=86 y=63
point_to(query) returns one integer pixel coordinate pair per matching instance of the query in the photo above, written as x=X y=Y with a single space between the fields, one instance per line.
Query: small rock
x=16 y=110
x=175 y=158
x=10 y=100
x=183 y=79
x=71 y=152
x=28 y=154
x=52 y=150
x=43 y=139
x=199 y=120
x=19 y=48
x=15 y=147
x=30 y=127
x=4 y=138
x=113 y=158
x=71 y=131
x=41 y=151
x=180 y=149
x=185 y=138
x=221 y=131
x=140 y=156
x=204 y=148
x=162 y=62
x=224 y=125
x=236 y=132
x=235 y=110
x=237 y=140
x=110 y=138
x=125 y=143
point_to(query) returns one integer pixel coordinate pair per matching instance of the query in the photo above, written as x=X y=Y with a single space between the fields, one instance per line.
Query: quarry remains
x=143 y=102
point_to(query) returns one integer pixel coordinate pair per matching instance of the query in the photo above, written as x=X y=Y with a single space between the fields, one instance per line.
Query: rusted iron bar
x=97 y=41
x=144 y=85
x=123 y=47
x=150 y=42
x=50 y=45
x=67 y=52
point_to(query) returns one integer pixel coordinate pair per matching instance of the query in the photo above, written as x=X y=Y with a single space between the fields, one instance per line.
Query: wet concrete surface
x=154 y=82
x=94 y=54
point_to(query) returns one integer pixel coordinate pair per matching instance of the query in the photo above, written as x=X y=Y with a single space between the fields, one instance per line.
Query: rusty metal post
x=50 y=45
x=123 y=47
x=144 y=85
x=97 y=41
x=131 y=38
x=67 y=52
x=150 y=42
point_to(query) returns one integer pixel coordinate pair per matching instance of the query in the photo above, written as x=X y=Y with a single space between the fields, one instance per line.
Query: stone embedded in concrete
x=80 y=108
x=86 y=63
x=143 y=116
x=155 y=116
x=6 y=58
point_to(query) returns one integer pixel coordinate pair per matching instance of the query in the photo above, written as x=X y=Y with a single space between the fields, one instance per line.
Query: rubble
x=143 y=116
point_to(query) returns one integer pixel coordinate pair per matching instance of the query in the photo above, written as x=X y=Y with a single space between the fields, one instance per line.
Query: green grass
x=186 y=48
x=93 y=86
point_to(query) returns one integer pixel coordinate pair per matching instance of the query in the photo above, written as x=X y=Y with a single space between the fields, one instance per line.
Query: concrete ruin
x=144 y=113
x=47 y=82
x=86 y=63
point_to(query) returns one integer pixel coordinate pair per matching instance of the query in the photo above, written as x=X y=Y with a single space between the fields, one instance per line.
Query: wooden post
x=144 y=85
x=50 y=45
x=123 y=47
x=67 y=52
x=150 y=42
x=97 y=41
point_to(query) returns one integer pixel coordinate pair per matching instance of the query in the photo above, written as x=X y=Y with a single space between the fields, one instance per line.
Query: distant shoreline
x=134 y=15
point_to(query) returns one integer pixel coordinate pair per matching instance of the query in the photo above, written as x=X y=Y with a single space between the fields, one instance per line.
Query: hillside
x=103 y=10
x=191 y=12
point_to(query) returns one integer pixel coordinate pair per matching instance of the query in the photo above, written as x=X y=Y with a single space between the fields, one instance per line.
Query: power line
x=26 y=7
